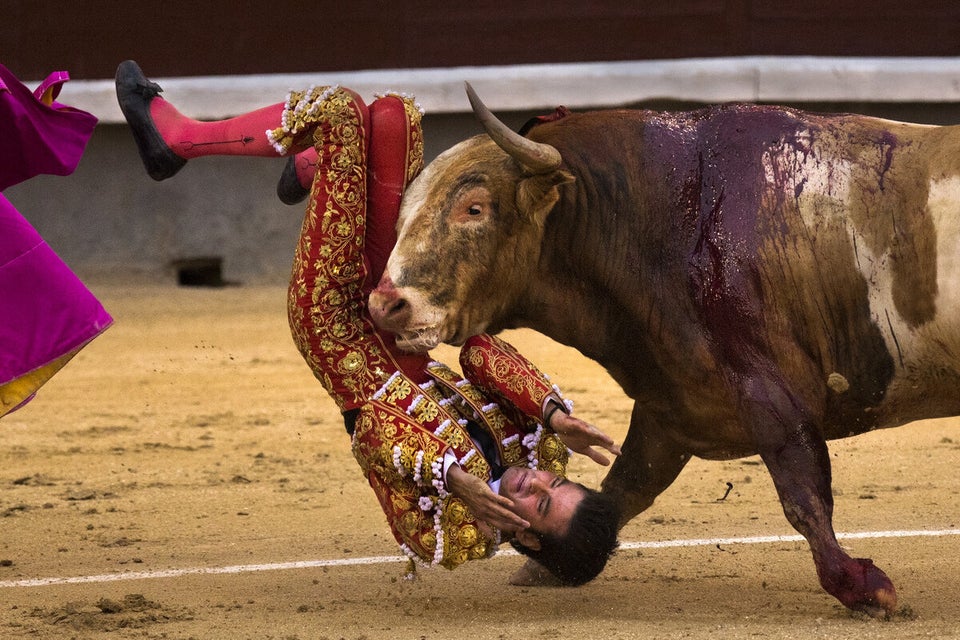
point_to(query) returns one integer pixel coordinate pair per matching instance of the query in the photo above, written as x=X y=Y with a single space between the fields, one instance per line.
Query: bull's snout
x=388 y=308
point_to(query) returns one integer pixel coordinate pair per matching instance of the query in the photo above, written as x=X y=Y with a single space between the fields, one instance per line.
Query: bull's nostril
x=388 y=309
x=398 y=307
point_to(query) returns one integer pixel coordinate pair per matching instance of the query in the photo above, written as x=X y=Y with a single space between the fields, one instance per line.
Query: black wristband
x=552 y=406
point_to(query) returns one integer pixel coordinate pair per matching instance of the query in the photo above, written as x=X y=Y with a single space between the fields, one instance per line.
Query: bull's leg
x=795 y=453
x=648 y=464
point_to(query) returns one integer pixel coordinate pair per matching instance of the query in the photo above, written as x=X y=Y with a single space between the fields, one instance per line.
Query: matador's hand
x=582 y=437
x=491 y=510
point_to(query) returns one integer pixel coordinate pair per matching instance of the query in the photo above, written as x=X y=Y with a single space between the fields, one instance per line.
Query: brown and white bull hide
x=758 y=279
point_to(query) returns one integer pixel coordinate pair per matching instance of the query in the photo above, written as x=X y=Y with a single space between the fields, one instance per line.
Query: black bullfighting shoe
x=289 y=189
x=134 y=93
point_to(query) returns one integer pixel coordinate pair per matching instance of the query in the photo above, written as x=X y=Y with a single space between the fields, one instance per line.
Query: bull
x=759 y=279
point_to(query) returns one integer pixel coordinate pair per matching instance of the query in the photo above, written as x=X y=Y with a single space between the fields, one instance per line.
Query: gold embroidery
x=477 y=466
x=299 y=114
x=509 y=370
x=456 y=512
x=410 y=522
x=324 y=277
x=398 y=389
x=496 y=419
x=326 y=299
x=512 y=453
x=351 y=362
x=468 y=536
x=551 y=447
x=415 y=163
x=552 y=454
x=427 y=411
x=414 y=134
x=429 y=540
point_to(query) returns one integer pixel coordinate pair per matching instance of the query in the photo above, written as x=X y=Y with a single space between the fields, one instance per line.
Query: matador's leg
x=297 y=177
x=166 y=138
x=337 y=248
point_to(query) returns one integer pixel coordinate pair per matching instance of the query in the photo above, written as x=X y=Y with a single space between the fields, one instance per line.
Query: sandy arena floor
x=192 y=437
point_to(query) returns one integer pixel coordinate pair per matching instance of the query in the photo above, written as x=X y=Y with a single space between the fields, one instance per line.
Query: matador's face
x=545 y=500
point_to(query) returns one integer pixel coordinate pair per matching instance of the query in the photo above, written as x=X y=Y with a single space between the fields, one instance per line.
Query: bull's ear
x=537 y=194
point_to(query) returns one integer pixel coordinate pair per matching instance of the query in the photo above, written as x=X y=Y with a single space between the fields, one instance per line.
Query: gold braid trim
x=414 y=132
x=300 y=113
x=415 y=135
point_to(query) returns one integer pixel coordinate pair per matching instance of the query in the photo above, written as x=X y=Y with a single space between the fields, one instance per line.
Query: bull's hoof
x=866 y=589
x=533 y=574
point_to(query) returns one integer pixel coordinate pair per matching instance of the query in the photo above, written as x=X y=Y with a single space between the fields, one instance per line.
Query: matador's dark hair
x=579 y=556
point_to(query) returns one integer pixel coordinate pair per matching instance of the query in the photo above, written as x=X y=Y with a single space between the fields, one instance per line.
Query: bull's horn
x=537 y=156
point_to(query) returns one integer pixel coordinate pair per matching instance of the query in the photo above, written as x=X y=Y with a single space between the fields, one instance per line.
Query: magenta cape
x=46 y=313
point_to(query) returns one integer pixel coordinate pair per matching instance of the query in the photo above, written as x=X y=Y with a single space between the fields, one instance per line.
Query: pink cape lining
x=46 y=312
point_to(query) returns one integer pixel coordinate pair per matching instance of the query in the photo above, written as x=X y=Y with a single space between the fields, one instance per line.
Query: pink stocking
x=244 y=135
x=306 y=166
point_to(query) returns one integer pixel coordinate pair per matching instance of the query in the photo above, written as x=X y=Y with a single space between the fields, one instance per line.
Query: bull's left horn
x=537 y=156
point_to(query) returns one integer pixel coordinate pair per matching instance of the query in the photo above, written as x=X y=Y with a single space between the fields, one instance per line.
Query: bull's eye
x=471 y=205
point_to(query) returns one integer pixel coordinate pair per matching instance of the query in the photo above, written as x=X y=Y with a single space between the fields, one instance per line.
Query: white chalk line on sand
x=345 y=562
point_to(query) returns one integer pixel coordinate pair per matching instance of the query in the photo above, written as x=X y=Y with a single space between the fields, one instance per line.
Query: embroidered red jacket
x=404 y=432
x=412 y=411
